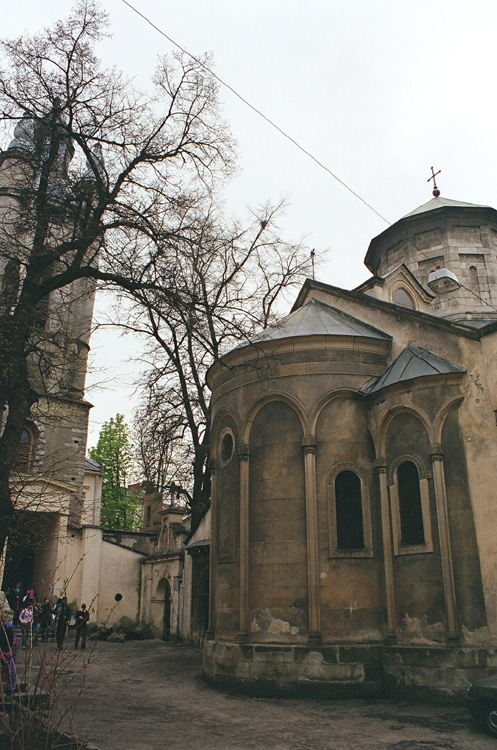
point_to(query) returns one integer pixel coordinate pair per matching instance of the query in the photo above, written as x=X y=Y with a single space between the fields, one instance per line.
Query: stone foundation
x=346 y=670
x=308 y=671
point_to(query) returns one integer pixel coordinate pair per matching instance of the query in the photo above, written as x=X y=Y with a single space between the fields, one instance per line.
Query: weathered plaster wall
x=226 y=581
x=350 y=585
x=119 y=573
x=277 y=527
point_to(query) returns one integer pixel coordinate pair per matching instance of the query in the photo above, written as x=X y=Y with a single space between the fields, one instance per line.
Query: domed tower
x=450 y=248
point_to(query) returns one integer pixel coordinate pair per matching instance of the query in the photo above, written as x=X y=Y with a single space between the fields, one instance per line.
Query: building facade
x=353 y=534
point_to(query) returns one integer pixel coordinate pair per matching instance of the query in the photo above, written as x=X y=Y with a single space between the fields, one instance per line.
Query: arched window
x=410 y=507
x=348 y=501
x=474 y=280
x=402 y=297
x=23 y=455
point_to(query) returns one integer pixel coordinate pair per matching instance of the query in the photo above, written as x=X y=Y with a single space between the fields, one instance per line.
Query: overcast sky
x=377 y=90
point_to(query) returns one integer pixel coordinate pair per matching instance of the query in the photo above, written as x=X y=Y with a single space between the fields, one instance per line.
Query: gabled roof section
x=402 y=270
x=441 y=203
x=91 y=465
x=414 y=362
x=451 y=327
x=315 y=318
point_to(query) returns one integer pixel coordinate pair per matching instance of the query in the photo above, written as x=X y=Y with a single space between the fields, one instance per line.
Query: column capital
x=243 y=452
x=436 y=452
x=380 y=465
x=309 y=444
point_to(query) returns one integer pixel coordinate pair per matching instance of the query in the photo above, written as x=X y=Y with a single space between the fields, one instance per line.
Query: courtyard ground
x=149 y=694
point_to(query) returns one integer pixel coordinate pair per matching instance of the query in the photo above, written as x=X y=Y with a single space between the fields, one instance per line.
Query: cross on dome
x=436 y=191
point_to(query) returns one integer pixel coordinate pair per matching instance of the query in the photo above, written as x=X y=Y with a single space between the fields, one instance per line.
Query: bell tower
x=47 y=480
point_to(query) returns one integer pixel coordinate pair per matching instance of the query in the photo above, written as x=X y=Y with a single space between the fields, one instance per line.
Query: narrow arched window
x=402 y=297
x=23 y=455
x=39 y=314
x=349 y=521
x=474 y=280
x=410 y=509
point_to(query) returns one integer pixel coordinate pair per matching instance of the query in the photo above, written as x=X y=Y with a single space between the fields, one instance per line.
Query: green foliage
x=121 y=509
x=116 y=636
x=132 y=630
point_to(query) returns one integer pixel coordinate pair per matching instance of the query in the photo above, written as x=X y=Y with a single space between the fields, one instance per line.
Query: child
x=26 y=622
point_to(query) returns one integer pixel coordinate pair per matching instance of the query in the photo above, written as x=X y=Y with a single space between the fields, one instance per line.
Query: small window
x=410 y=509
x=348 y=499
x=474 y=280
x=39 y=315
x=410 y=499
x=402 y=297
x=349 y=513
x=23 y=455
x=148 y=511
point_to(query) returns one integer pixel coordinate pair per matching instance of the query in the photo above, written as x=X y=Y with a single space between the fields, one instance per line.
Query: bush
x=134 y=631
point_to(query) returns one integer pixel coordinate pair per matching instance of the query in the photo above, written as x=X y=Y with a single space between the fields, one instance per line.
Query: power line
x=257 y=111
x=287 y=136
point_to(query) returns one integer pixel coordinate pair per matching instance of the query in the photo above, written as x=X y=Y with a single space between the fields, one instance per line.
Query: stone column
x=212 y=558
x=243 y=455
x=60 y=575
x=386 y=528
x=312 y=537
x=444 y=537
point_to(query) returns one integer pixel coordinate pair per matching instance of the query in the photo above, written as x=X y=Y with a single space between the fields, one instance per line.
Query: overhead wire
x=256 y=110
x=287 y=136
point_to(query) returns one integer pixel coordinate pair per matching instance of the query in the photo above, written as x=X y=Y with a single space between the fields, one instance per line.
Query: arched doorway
x=166 y=618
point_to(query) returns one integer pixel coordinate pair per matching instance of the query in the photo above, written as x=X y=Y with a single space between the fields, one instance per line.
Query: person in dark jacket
x=62 y=620
x=82 y=617
x=16 y=598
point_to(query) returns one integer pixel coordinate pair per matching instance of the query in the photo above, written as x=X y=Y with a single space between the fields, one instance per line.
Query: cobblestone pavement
x=149 y=694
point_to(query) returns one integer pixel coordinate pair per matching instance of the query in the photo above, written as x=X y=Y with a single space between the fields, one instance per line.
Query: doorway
x=166 y=619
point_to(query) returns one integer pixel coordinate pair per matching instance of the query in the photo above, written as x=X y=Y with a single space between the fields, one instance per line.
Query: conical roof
x=440 y=202
x=414 y=362
x=318 y=319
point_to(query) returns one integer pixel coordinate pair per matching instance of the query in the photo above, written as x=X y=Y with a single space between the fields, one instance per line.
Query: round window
x=227 y=448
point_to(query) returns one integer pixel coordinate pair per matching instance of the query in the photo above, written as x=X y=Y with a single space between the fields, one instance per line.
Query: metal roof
x=318 y=319
x=441 y=203
x=91 y=465
x=414 y=362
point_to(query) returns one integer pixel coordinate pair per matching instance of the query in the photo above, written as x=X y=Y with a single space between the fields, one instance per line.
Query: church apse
x=362 y=498
x=278 y=569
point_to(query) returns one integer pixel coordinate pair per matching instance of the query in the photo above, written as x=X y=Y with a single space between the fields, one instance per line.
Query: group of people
x=36 y=618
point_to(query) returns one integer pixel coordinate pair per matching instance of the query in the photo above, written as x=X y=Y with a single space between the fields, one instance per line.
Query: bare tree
x=98 y=186
x=235 y=276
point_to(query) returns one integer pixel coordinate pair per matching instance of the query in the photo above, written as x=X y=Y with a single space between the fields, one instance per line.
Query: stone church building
x=354 y=499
